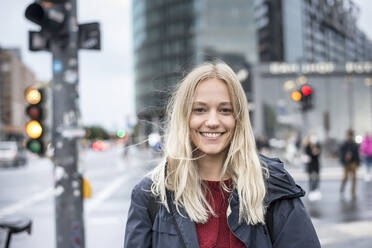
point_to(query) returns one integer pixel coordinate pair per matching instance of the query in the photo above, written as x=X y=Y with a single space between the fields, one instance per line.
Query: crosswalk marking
x=326 y=173
x=105 y=193
x=21 y=205
x=330 y=233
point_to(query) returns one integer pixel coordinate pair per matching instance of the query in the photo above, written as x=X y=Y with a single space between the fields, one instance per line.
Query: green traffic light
x=120 y=134
x=34 y=146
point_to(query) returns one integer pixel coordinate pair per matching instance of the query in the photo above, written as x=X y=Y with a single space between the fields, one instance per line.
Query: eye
x=226 y=110
x=198 y=110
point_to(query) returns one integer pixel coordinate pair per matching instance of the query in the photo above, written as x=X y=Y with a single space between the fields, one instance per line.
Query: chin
x=212 y=151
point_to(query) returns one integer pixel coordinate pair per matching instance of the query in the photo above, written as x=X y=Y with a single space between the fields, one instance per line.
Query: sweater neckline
x=216 y=185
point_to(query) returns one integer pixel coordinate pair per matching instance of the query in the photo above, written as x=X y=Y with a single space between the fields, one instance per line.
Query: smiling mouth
x=211 y=134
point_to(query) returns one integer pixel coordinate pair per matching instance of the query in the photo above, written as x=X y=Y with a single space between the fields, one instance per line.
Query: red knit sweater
x=216 y=232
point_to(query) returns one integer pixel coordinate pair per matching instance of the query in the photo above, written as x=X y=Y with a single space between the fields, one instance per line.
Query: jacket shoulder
x=280 y=184
x=142 y=191
x=138 y=226
x=292 y=226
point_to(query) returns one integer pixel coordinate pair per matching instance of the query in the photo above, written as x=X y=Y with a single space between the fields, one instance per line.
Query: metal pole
x=305 y=123
x=66 y=119
x=370 y=100
x=2 y=82
x=350 y=101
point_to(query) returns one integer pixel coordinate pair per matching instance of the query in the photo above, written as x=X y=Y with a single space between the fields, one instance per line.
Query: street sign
x=89 y=36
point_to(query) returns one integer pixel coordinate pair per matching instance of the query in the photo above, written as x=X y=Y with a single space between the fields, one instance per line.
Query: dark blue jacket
x=352 y=148
x=292 y=227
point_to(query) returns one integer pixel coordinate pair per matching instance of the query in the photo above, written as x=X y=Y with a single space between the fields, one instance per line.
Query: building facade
x=342 y=99
x=171 y=36
x=15 y=77
x=310 y=31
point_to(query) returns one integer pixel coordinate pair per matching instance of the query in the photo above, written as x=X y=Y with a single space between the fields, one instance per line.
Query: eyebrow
x=204 y=104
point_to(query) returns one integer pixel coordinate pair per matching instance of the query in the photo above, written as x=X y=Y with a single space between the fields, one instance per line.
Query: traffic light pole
x=305 y=123
x=61 y=35
x=65 y=133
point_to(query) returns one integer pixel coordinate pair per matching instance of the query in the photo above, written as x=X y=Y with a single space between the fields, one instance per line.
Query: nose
x=212 y=120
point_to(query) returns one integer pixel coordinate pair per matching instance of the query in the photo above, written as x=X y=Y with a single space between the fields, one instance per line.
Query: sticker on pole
x=87 y=189
x=57 y=66
x=70 y=76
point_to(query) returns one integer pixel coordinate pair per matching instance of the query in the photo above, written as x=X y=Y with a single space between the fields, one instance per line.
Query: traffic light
x=307 y=97
x=51 y=16
x=304 y=96
x=35 y=128
x=296 y=95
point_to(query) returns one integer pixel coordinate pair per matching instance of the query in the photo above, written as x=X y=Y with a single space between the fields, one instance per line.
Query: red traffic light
x=34 y=112
x=306 y=90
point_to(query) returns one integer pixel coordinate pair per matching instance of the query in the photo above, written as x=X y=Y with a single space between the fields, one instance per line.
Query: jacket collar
x=280 y=184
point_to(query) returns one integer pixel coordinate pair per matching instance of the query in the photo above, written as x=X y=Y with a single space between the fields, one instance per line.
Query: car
x=12 y=154
x=99 y=145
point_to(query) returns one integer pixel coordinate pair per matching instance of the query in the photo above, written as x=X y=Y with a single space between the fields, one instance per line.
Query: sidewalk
x=340 y=221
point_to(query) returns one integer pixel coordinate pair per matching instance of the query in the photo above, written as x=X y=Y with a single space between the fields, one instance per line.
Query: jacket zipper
x=267 y=234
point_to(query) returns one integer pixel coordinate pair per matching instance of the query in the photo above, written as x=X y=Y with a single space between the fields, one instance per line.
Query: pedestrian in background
x=212 y=189
x=312 y=151
x=349 y=157
x=291 y=149
x=366 y=151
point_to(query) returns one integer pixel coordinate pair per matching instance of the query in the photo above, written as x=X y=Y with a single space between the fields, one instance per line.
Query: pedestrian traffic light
x=307 y=97
x=35 y=112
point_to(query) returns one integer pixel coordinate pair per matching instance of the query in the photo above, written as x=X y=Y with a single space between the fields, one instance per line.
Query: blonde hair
x=241 y=164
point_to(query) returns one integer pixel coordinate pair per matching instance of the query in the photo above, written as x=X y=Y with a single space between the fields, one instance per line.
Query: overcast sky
x=106 y=76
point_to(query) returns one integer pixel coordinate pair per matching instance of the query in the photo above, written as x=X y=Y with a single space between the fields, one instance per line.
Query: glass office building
x=310 y=31
x=171 y=36
x=317 y=39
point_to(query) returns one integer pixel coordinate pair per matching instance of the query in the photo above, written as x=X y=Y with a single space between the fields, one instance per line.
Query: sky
x=106 y=76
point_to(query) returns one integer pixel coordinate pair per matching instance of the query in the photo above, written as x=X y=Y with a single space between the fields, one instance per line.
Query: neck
x=210 y=167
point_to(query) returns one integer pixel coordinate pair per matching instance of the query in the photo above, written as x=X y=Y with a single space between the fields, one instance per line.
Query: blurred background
x=305 y=65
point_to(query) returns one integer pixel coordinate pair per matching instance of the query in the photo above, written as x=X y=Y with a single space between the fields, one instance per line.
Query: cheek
x=194 y=123
x=230 y=123
x=193 y=126
x=194 y=138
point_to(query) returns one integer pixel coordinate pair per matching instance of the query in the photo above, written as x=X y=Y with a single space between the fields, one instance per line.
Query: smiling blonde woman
x=212 y=189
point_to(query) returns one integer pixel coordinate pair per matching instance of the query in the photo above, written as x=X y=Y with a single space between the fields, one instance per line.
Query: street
x=28 y=191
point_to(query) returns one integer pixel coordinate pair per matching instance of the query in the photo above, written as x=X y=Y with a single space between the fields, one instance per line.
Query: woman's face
x=212 y=121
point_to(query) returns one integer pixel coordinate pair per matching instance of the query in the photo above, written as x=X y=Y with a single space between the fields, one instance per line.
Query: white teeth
x=211 y=135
